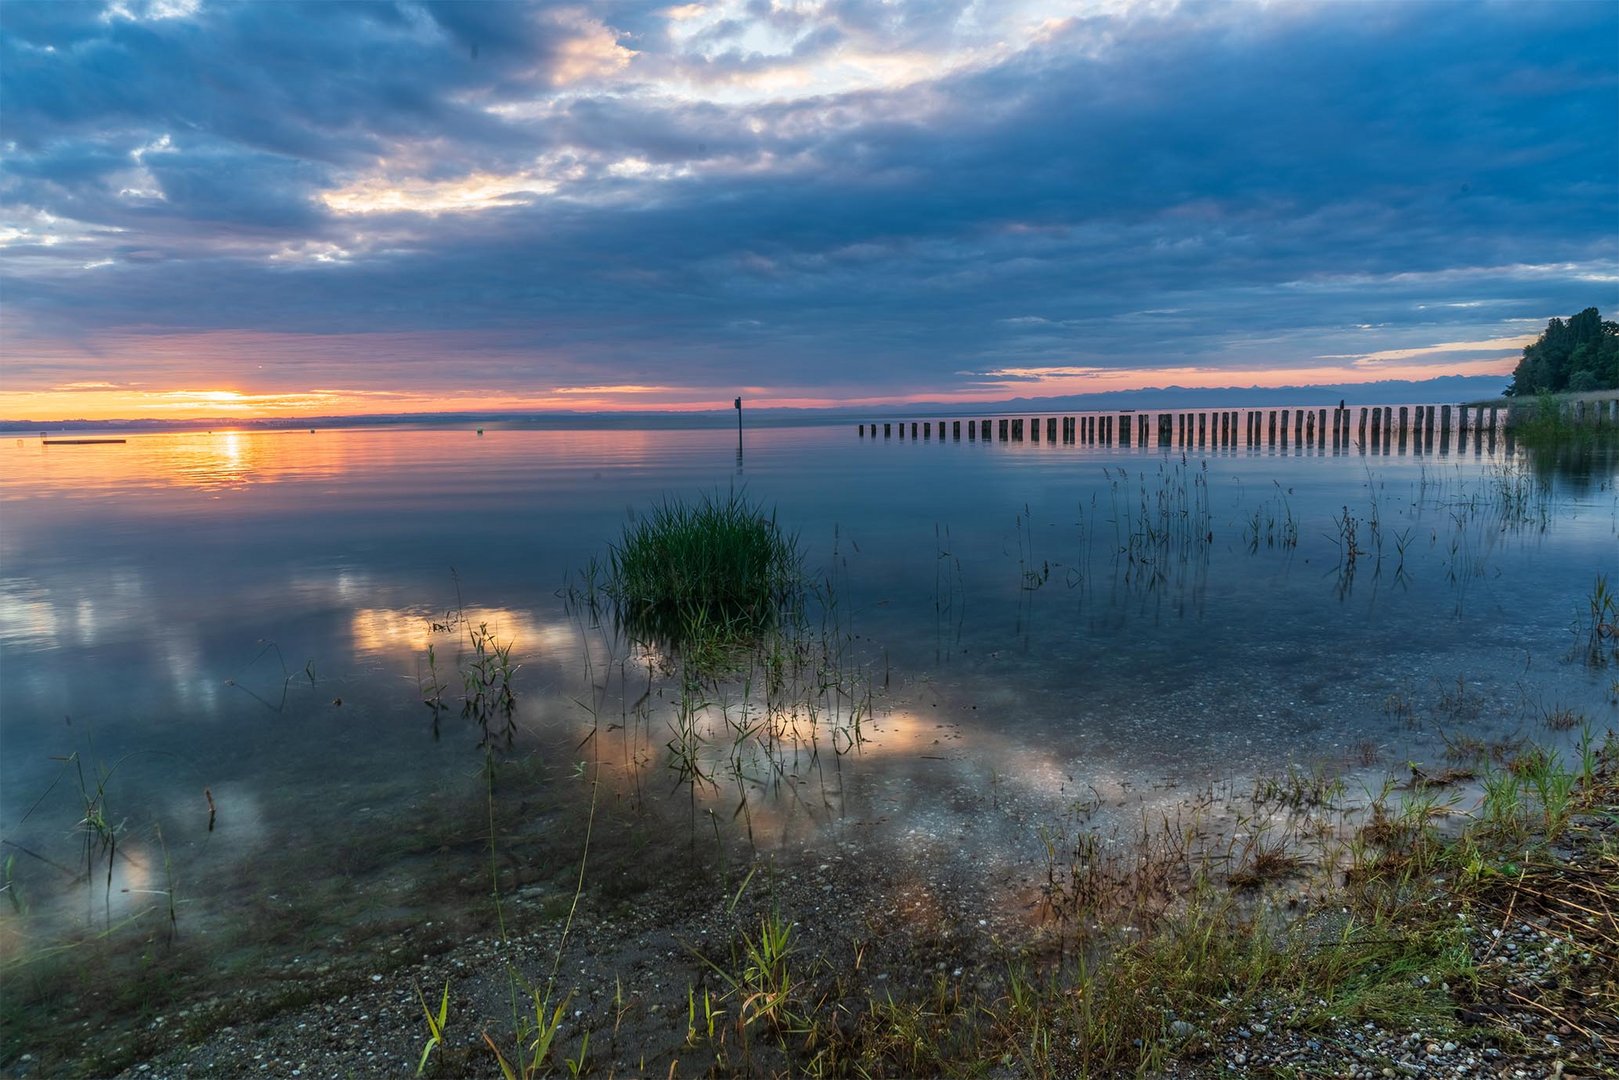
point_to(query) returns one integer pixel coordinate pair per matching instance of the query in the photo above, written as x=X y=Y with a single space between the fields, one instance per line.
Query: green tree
x=1580 y=354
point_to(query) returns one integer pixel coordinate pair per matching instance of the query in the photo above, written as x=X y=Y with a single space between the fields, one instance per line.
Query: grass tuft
x=700 y=575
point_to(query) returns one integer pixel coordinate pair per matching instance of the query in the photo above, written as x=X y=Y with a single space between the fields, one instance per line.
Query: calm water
x=248 y=615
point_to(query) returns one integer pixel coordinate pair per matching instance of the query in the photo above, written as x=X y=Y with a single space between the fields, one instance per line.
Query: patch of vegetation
x=700 y=576
x=1173 y=959
x=1543 y=422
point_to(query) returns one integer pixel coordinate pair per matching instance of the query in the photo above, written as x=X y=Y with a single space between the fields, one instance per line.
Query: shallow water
x=245 y=618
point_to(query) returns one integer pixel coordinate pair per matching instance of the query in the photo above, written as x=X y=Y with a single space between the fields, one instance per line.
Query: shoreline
x=918 y=966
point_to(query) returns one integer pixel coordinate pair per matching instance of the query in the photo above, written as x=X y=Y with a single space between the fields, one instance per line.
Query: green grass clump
x=1544 y=423
x=693 y=574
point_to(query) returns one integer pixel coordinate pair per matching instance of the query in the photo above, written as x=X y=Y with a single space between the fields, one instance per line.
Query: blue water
x=248 y=615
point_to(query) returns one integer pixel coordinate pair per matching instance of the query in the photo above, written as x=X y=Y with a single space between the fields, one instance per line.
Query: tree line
x=1579 y=354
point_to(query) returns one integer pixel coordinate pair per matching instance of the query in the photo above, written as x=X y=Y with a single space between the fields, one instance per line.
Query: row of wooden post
x=1376 y=428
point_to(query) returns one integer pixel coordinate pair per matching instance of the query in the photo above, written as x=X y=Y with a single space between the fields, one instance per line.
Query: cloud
x=828 y=198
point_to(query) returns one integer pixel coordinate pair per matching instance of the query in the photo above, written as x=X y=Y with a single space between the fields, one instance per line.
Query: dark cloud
x=1231 y=185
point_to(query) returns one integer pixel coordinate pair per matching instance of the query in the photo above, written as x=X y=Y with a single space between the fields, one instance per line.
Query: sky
x=284 y=209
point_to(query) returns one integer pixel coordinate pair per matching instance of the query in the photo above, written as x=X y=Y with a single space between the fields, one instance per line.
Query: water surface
x=245 y=618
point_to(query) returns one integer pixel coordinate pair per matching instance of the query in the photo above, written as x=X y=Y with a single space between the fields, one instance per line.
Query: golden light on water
x=402 y=632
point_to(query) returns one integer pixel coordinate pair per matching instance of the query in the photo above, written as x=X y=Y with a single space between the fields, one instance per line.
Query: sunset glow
x=555 y=207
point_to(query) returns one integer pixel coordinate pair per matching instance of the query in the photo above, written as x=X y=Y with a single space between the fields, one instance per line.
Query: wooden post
x=862 y=431
x=1377 y=428
x=1005 y=429
x=1403 y=428
x=887 y=430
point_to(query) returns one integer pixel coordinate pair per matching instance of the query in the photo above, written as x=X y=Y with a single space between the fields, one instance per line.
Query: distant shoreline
x=1471 y=390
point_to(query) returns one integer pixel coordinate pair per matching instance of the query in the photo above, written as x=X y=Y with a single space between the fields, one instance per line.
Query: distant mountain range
x=1454 y=389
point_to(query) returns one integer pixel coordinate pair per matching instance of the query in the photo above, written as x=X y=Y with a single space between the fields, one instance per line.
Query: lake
x=214 y=650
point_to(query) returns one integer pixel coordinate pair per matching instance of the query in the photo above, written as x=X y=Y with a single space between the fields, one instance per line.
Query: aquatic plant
x=1602 y=634
x=693 y=575
x=1546 y=423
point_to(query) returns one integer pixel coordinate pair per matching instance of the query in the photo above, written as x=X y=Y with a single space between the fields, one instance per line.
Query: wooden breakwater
x=1382 y=429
